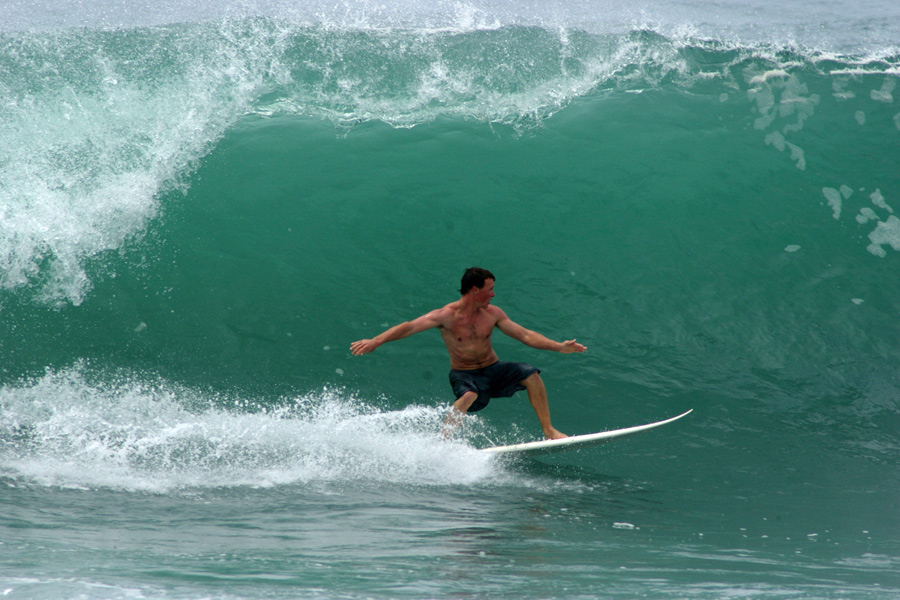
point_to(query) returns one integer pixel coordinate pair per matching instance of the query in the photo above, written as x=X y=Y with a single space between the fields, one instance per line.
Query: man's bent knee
x=464 y=402
x=533 y=379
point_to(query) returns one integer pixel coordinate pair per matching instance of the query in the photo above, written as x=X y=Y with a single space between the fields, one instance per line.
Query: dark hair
x=474 y=277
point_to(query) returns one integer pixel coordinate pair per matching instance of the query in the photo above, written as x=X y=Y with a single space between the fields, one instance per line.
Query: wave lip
x=871 y=24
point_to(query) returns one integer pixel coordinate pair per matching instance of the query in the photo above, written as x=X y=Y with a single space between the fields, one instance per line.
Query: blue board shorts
x=499 y=380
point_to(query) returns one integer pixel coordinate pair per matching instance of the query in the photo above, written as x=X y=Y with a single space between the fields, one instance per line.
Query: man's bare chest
x=471 y=329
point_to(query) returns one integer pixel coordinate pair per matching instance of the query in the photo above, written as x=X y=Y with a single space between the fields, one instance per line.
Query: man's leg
x=457 y=413
x=537 y=395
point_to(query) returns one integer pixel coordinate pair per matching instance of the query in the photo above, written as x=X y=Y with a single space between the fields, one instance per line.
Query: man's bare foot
x=554 y=434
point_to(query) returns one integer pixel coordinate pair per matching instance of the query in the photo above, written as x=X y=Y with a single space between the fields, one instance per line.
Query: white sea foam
x=833 y=197
x=886 y=233
x=92 y=137
x=879 y=201
x=66 y=429
x=885 y=93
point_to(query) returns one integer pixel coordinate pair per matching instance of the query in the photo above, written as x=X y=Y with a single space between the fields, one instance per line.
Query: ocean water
x=203 y=203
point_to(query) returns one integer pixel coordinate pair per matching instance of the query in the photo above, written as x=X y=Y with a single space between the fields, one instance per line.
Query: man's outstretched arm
x=397 y=332
x=535 y=339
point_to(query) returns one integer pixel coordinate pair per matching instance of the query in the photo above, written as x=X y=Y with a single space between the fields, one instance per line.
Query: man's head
x=474 y=277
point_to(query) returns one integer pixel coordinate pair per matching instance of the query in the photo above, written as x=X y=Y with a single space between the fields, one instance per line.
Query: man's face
x=484 y=294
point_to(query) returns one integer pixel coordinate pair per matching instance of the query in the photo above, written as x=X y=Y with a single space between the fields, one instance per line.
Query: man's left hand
x=570 y=346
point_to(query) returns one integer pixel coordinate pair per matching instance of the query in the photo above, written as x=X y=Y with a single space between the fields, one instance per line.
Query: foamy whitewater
x=203 y=203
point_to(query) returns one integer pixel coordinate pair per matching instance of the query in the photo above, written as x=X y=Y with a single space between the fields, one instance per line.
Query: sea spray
x=97 y=124
x=75 y=429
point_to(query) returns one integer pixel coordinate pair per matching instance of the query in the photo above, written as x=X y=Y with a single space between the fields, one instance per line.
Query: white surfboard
x=576 y=441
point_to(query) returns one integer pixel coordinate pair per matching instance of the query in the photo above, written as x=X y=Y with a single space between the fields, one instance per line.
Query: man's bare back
x=466 y=326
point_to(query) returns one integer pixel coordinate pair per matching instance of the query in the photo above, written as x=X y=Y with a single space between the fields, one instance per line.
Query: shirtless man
x=476 y=373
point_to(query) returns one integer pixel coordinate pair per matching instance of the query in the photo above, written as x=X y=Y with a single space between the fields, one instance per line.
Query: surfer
x=477 y=374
